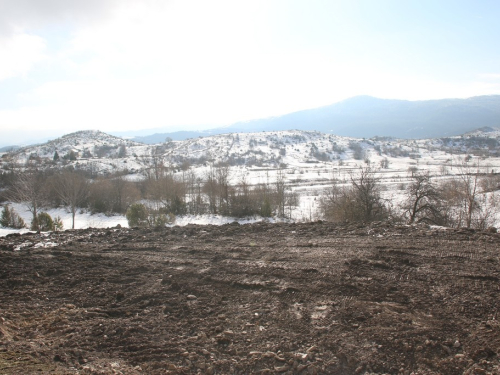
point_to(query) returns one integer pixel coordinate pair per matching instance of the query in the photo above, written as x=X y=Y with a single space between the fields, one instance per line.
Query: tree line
x=465 y=200
x=156 y=199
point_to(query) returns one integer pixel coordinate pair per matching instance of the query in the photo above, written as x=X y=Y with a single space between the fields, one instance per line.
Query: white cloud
x=22 y=15
x=490 y=76
x=19 y=54
x=143 y=64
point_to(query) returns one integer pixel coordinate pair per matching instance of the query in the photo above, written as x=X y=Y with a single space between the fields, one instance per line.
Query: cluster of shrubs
x=140 y=215
x=11 y=219
x=43 y=221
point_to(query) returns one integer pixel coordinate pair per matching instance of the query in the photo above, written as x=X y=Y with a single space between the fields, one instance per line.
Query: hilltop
x=271 y=148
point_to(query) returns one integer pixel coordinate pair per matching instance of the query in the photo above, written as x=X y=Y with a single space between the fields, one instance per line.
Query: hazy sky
x=68 y=65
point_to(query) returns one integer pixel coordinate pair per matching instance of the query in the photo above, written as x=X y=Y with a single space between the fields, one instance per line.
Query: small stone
x=191 y=297
x=281 y=368
x=456 y=344
x=312 y=370
x=447 y=349
x=301 y=367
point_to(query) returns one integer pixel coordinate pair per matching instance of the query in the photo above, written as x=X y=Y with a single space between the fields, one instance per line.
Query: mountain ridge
x=366 y=116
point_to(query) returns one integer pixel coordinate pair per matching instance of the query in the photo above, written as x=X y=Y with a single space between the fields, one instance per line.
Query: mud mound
x=264 y=298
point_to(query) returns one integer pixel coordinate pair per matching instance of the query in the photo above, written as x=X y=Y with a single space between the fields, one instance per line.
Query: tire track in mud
x=261 y=298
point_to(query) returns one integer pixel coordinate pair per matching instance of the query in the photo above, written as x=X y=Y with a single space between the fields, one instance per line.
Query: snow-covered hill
x=105 y=153
x=85 y=144
x=308 y=160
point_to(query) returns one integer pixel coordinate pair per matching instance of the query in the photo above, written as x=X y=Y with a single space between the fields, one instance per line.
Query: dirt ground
x=313 y=298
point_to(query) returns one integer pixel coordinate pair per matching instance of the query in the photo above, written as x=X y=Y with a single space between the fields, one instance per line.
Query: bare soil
x=313 y=298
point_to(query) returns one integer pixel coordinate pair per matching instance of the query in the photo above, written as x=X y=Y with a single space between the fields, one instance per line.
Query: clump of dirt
x=312 y=298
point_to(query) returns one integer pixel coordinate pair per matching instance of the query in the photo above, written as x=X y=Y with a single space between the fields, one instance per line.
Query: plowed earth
x=312 y=298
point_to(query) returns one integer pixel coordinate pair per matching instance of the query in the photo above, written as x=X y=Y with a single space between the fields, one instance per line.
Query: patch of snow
x=45 y=245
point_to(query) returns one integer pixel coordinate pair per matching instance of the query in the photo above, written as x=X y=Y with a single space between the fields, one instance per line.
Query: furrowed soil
x=314 y=298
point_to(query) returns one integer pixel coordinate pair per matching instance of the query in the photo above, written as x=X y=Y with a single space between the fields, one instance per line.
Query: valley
x=307 y=161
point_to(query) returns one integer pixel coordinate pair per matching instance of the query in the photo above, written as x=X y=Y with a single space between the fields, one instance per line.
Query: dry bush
x=359 y=200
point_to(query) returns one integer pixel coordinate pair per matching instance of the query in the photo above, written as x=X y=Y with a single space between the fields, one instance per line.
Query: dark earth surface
x=312 y=298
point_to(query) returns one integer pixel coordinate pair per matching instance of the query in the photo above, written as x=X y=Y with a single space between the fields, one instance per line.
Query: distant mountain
x=175 y=136
x=366 y=116
x=9 y=148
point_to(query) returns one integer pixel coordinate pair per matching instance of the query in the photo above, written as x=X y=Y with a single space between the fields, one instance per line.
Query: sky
x=120 y=65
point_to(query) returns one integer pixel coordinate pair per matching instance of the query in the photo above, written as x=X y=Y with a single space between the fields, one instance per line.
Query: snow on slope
x=101 y=152
x=80 y=142
x=86 y=220
x=309 y=160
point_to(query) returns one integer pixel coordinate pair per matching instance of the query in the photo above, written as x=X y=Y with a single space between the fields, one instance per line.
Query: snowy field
x=308 y=161
x=86 y=220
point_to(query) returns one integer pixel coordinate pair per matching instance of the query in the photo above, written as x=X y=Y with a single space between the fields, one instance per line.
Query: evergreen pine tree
x=5 y=219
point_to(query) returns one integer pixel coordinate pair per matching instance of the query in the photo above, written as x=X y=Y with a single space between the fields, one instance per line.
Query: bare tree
x=216 y=188
x=468 y=206
x=469 y=176
x=222 y=173
x=422 y=201
x=73 y=190
x=242 y=200
x=154 y=166
x=124 y=193
x=280 y=188
x=355 y=199
x=384 y=163
x=194 y=186
x=292 y=200
x=210 y=189
x=335 y=203
x=368 y=201
x=29 y=189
